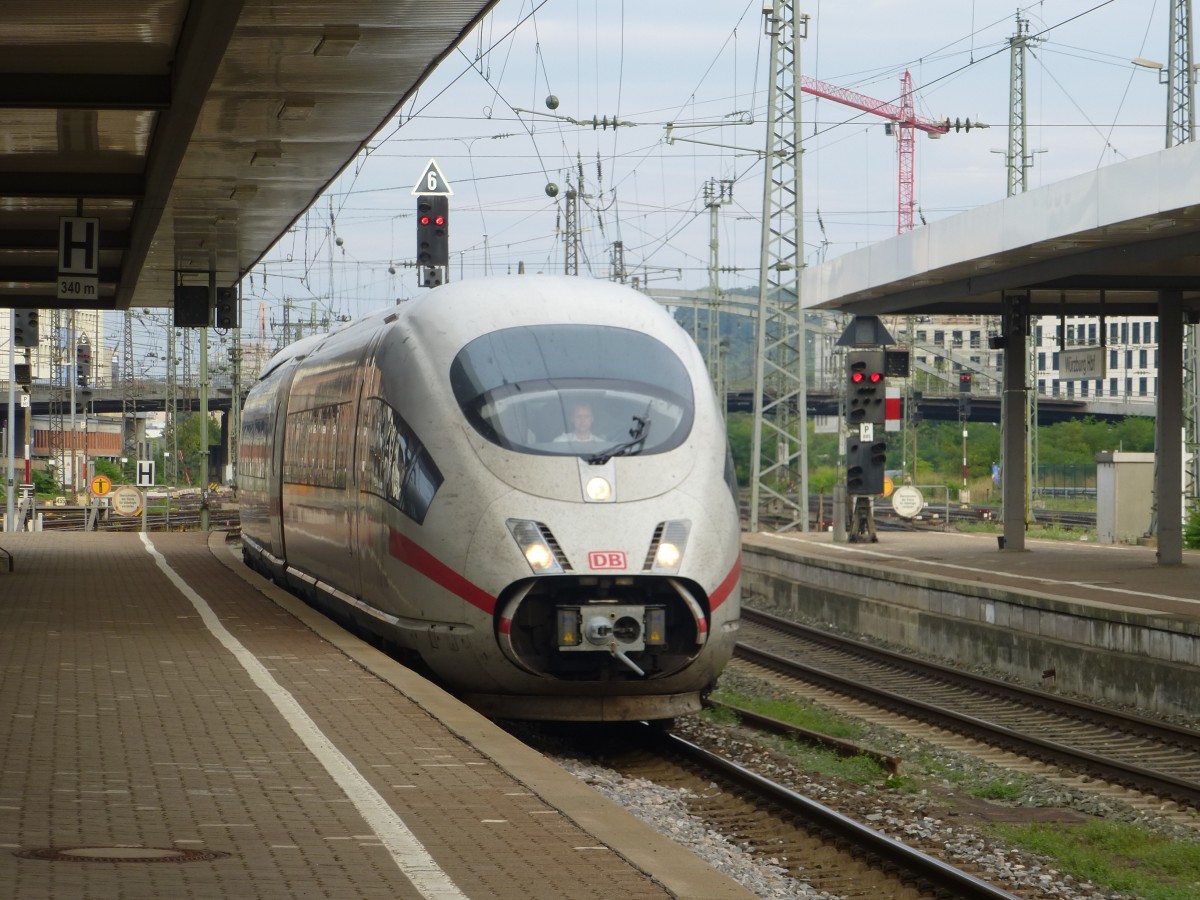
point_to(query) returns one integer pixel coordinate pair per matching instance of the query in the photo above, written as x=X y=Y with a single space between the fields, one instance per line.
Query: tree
x=187 y=436
x=112 y=470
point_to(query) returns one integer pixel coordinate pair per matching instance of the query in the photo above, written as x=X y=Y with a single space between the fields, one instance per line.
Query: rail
x=1070 y=733
x=928 y=869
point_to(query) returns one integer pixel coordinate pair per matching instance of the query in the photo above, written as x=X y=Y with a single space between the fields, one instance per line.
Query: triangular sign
x=865 y=331
x=432 y=181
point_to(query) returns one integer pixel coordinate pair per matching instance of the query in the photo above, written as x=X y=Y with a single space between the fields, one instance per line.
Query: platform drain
x=120 y=854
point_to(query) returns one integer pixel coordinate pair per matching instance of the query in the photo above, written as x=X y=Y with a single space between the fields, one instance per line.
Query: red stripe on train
x=417 y=557
x=725 y=588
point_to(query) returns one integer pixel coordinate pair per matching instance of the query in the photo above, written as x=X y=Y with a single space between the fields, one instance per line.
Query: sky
x=686 y=81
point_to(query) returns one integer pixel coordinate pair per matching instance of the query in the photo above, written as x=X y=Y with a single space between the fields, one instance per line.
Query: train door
x=361 y=537
x=274 y=486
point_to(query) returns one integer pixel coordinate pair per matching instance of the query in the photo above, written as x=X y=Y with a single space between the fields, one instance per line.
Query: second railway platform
x=1106 y=622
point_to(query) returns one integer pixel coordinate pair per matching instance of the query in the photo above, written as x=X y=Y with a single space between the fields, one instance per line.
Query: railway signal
x=227 y=313
x=25 y=327
x=866 y=458
x=865 y=387
x=83 y=363
x=433 y=240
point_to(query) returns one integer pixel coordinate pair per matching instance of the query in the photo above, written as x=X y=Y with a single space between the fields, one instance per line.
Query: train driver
x=581 y=433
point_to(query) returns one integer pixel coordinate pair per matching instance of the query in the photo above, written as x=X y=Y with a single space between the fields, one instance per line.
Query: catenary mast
x=779 y=472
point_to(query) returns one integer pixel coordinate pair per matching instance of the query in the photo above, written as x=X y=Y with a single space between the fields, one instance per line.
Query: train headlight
x=667 y=557
x=539 y=557
x=534 y=546
x=670 y=541
x=599 y=490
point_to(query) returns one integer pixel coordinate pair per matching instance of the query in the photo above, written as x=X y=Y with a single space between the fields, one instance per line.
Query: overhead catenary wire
x=645 y=215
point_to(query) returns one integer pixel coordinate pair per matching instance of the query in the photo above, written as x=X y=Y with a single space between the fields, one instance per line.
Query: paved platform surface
x=153 y=697
x=1113 y=575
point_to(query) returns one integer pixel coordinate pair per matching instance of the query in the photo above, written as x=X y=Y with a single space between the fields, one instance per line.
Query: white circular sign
x=126 y=500
x=907 y=501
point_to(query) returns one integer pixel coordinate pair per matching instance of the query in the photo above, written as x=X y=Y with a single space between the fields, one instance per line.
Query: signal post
x=433 y=226
x=869 y=413
x=866 y=449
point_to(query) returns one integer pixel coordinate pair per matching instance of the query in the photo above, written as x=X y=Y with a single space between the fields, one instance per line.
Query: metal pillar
x=235 y=407
x=171 y=475
x=58 y=393
x=571 y=233
x=1018 y=160
x=618 y=273
x=73 y=338
x=204 y=479
x=1181 y=129
x=781 y=366
x=1180 y=77
x=1012 y=415
x=10 y=505
x=1168 y=427
x=716 y=194
x=128 y=399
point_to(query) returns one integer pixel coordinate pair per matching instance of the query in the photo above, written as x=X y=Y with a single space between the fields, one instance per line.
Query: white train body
x=414 y=469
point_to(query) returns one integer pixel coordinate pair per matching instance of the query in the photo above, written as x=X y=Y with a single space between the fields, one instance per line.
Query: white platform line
x=409 y=854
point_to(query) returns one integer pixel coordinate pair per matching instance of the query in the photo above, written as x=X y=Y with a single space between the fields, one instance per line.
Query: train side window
x=313 y=450
x=398 y=467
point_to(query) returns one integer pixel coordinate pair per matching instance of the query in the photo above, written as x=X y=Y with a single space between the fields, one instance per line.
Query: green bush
x=1191 y=529
x=44 y=483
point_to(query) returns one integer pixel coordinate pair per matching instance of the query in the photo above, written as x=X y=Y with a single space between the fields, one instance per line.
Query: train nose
x=588 y=627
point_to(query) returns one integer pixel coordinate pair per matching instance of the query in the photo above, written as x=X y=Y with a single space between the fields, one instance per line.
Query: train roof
x=466 y=309
x=455 y=313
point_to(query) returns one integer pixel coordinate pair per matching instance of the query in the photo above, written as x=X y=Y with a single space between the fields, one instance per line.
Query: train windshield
x=574 y=390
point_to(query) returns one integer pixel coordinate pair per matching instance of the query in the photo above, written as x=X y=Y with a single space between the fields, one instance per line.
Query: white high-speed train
x=525 y=481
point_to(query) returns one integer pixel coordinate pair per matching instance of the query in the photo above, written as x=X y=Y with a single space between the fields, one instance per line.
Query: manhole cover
x=120 y=854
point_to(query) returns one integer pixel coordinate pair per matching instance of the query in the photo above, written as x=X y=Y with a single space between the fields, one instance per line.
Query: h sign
x=145 y=473
x=78 y=246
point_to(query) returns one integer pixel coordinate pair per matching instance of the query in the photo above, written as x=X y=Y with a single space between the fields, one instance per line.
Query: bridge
x=933 y=404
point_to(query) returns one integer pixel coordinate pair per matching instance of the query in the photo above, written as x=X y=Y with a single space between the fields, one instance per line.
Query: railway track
x=1142 y=754
x=813 y=843
x=935 y=517
x=959 y=513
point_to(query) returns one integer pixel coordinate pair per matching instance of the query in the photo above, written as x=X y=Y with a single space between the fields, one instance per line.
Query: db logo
x=606 y=559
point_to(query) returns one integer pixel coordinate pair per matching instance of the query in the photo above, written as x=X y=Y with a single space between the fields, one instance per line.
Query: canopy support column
x=1168 y=477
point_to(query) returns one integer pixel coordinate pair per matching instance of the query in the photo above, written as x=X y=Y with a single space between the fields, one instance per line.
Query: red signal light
x=857 y=377
x=439 y=221
x=876 y=377
x=424 y=220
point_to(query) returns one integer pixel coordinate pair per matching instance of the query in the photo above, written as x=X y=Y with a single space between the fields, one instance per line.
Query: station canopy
x=195 y=131
x=1103 y=243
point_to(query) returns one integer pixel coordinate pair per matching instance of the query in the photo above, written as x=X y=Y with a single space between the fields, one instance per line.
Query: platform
x=176 y=727
x=1121 y=575
x=1102 y=621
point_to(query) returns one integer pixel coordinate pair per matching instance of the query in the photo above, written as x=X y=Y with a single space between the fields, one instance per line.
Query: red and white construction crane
x=905 y=119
